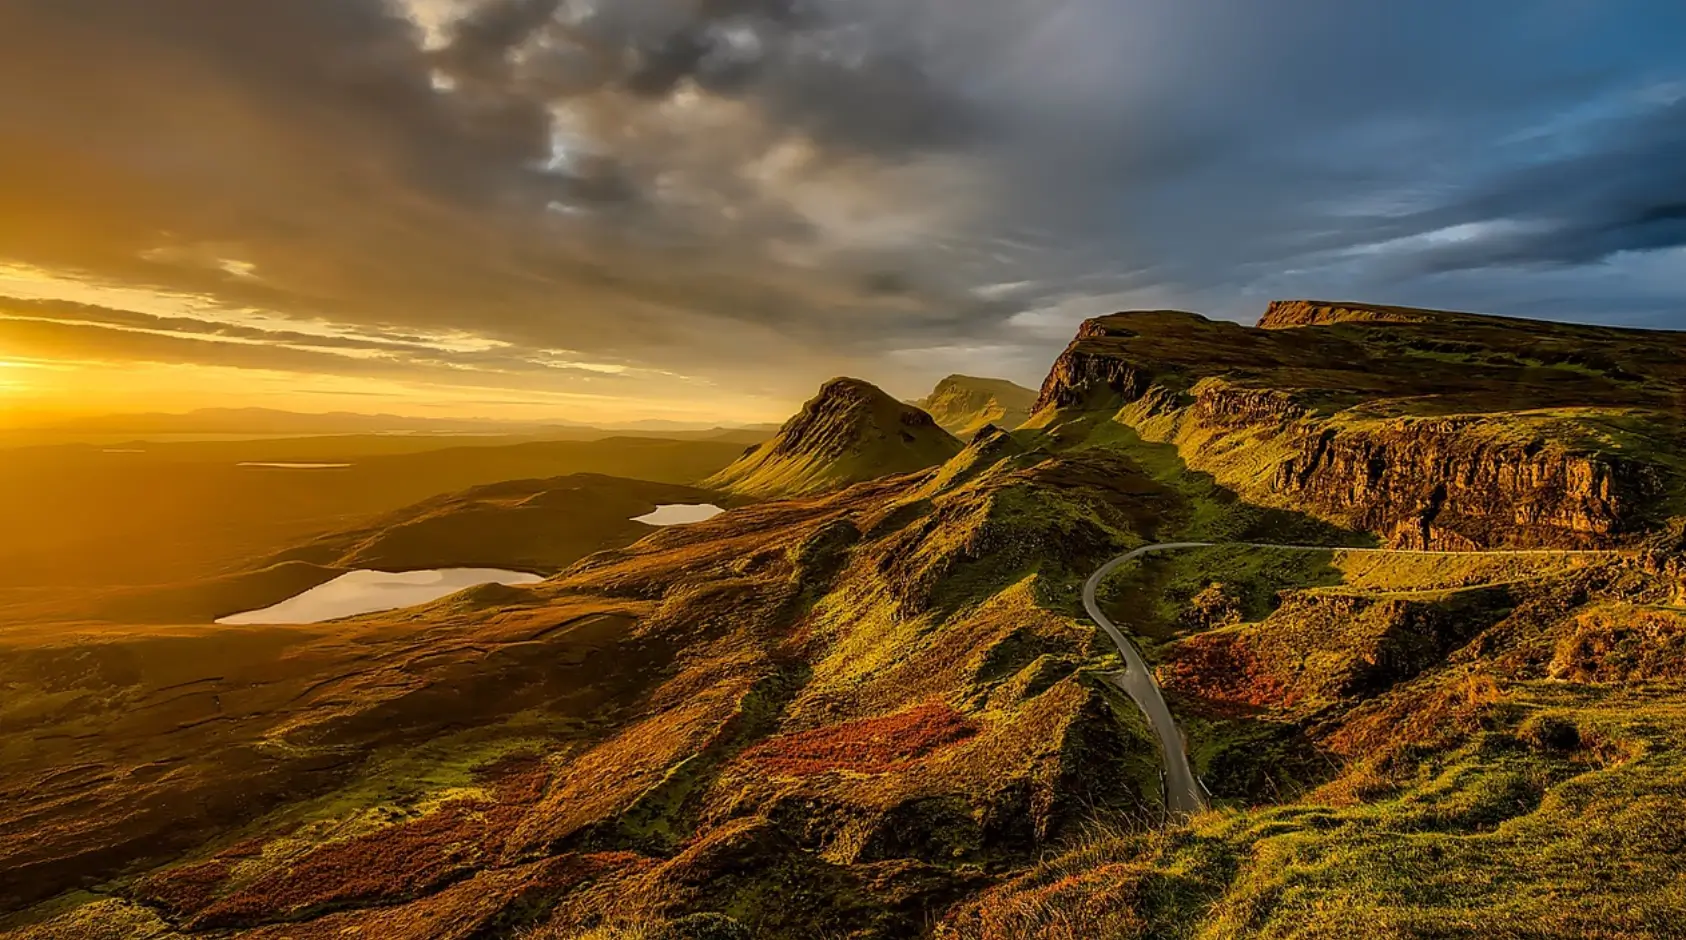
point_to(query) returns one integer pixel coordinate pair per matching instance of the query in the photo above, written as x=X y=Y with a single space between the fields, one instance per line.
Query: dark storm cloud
x=802 y=186
x=843 y=71
x=1624 y=193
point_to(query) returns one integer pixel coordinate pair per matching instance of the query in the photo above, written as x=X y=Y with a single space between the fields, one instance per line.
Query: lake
x=679 y=514
x=367 y=592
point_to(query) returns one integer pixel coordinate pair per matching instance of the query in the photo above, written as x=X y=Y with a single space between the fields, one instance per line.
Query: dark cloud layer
x=762 y=191
x=1627 y=195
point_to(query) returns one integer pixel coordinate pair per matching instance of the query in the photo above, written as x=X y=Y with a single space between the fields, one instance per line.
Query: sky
x=602 y=210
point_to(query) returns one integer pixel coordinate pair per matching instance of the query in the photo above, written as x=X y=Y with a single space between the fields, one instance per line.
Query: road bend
x=1184 y=793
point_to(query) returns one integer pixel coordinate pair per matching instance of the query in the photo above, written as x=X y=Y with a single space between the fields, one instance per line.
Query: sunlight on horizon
x=78 y=385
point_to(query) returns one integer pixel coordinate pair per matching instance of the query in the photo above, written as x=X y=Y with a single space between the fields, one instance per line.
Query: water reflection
x=367 y=592
x=679 y=514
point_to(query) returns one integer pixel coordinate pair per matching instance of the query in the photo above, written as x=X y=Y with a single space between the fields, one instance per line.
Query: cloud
x=755 y=193
x=1626 y=193
x=82 y=332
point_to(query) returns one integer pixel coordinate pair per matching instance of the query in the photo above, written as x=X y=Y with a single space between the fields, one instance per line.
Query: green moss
x=1153 y=595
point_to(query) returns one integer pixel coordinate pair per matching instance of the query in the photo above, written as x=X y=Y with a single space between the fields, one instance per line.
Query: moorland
x=866 y=700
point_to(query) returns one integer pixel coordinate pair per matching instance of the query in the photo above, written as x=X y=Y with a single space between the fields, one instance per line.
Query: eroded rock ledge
x=1431 y=429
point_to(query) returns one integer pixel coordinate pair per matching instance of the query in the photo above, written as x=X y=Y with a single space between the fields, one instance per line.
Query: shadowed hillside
x=97 y=517
x=528 y=525
x=539 y=526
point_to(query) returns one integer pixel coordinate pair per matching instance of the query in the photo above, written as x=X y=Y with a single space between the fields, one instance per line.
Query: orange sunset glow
x=842 y=470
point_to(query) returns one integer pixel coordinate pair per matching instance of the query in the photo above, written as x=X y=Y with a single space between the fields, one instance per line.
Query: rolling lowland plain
x=865 y=701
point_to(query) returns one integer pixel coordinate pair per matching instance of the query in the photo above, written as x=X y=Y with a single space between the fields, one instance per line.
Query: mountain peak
x=851 y=431
x=963 y=404
x=848 y=385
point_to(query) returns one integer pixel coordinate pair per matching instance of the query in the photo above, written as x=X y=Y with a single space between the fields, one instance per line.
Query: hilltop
x=962 y=404
x=851 y=431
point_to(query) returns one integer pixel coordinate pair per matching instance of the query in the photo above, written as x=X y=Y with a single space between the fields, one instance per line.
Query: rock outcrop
x=1438 y=483
x=1081 y=370
x=1288 y=314
x=1431 y=429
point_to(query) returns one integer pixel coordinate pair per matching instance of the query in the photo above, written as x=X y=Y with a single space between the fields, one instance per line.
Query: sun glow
x=118 y=350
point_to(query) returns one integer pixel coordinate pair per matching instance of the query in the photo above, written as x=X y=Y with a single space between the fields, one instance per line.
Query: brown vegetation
x=870 y=746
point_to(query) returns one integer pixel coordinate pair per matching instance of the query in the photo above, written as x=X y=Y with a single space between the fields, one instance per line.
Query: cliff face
x=1083 y=369
x=1078 y=374
x=1429 y=429
x=1438 y=484
x=1288 y=314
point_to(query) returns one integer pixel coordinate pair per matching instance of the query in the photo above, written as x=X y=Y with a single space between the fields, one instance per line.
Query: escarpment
x=1429 y=429
x=1287 y=314
x=1437 y=484
x=1078 y=374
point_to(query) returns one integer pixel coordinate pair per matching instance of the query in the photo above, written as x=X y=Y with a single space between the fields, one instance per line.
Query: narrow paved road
x=1183 y=792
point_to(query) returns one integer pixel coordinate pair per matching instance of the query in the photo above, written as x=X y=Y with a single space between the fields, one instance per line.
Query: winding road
x=1184 y=794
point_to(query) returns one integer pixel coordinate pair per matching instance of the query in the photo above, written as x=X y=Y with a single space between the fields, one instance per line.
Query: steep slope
x=851 y=431
x=1425 y=427
x=962 y=404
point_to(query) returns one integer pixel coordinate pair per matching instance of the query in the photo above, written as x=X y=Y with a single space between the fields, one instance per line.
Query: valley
x=1363 y=621
x=199 y=512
